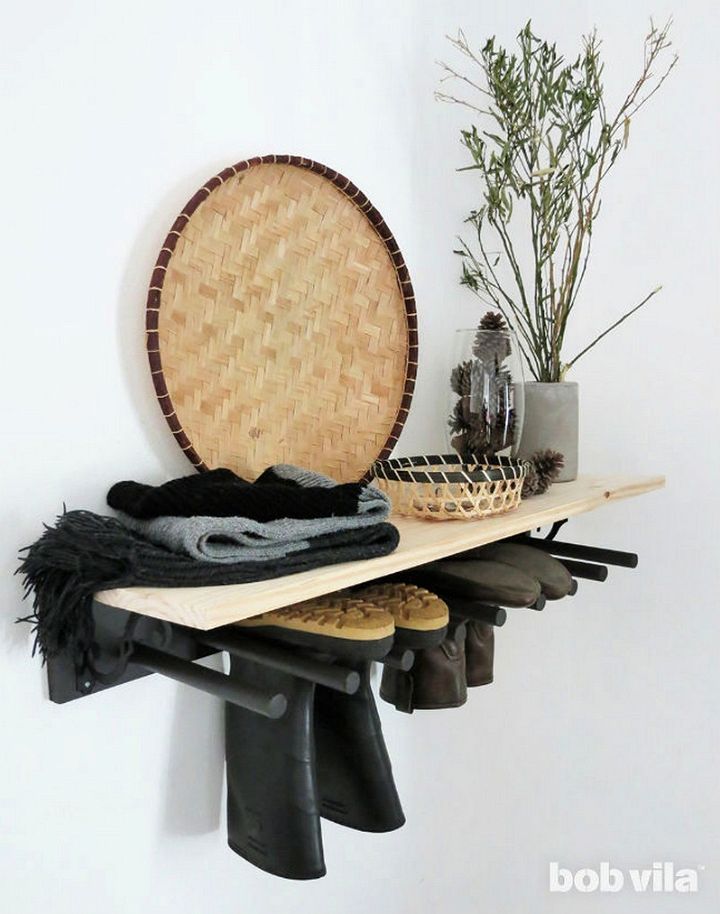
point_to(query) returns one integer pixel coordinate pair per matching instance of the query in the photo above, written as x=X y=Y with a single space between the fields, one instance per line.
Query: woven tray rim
x=154 y=296
x=410 y=469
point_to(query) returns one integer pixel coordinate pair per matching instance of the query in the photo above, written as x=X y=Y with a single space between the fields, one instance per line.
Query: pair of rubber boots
x=504 y=574
x=326 y=757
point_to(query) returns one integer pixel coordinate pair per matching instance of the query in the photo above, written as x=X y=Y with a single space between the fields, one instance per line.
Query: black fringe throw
x=86 y=552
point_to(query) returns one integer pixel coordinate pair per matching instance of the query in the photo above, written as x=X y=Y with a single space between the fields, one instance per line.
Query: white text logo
x=660 y=877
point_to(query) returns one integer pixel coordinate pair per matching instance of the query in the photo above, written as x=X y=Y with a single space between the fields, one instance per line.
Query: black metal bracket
x=555 y=529
x=127 y=646
x=106 y=665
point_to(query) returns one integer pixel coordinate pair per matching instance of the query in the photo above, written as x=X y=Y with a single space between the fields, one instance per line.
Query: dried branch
x=545 y=147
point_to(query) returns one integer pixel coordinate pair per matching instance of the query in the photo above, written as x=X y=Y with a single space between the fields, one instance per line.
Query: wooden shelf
x=420 y=541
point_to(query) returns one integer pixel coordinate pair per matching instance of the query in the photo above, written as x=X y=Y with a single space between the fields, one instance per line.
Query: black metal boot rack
x=303 y=735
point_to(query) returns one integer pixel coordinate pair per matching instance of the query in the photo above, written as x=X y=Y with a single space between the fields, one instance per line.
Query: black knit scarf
x=221 y=493
x=86 y=552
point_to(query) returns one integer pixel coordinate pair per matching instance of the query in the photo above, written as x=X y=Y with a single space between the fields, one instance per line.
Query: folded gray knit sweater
x=242 y=539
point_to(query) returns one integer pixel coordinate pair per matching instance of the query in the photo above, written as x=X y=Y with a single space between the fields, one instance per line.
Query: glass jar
x=486 y=394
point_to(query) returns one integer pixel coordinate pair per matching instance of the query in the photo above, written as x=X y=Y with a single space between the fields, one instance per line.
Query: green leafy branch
x=544 y=147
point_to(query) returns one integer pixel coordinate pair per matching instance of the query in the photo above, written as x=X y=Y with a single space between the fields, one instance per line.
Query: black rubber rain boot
x=354 y=772
x=272 y=808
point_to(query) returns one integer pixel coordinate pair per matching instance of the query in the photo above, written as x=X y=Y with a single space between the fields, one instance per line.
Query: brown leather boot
x=436 y=680
x=479 y=653
x=484 y=581
x=554 y=578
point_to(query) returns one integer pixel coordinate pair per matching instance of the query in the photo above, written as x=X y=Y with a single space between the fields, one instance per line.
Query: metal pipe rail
x=267 y=704
x=399 y=659
x=578 y=551
x=279 y=658
x=585 y=570
x=479 y=612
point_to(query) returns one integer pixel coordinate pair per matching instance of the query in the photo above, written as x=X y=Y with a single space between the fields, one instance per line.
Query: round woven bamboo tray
x=442 y=487
x=281 y=323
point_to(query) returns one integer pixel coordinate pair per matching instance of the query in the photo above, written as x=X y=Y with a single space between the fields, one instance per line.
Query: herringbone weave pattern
x=282 y=331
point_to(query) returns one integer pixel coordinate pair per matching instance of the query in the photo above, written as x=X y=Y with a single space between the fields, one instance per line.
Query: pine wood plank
x=420 y=541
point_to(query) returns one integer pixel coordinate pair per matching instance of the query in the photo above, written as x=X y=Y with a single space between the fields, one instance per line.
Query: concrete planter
x=551 y=421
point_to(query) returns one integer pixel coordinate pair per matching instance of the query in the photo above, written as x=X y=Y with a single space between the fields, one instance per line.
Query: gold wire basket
x=444 y=488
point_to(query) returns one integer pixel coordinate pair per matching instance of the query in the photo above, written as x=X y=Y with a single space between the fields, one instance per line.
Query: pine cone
x=479 y=441
x=458 y=421
x=547 y=466
x=491 y=320
x=471 y=443
x=483 y=433
x=460 y=445
x=504 y=428
x=491 y=347
x=460 y=379
x=530 y=483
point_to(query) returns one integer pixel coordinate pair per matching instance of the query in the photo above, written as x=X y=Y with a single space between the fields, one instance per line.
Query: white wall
x=598 y=740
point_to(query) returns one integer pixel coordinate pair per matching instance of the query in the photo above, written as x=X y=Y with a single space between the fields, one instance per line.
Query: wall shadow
x=130 y=323
x=196 y=763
